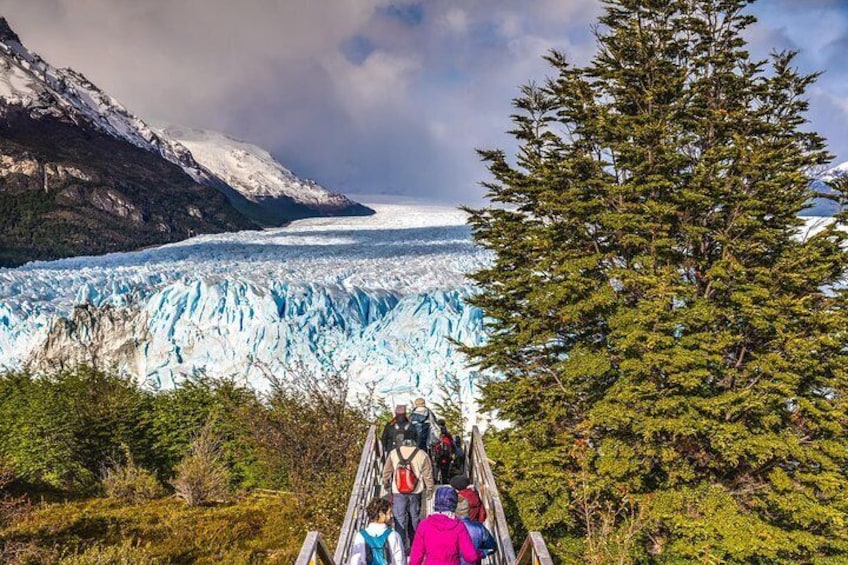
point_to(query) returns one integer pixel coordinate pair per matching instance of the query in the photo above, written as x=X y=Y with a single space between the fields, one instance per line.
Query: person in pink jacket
x=441 y=539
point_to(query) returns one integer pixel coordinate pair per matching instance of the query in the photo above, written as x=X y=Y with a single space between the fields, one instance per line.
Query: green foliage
x=179 y=414
x=59 y=430
x=672 y=347
x=123 y=554
x=254 y=529
x=450 y=407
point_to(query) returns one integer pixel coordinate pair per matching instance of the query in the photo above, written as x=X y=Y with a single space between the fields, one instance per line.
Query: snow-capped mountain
x=32 y=88
x=382 y=297
x=258 y=176
x=28 y=81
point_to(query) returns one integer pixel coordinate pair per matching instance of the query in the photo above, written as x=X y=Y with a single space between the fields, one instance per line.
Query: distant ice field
x=402 y=248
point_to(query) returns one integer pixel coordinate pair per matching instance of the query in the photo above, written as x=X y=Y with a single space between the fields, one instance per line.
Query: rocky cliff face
x=68 y=189
x=98 y=337
x=81 y=174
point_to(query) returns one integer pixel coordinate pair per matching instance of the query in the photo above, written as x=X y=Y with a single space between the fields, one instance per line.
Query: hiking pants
x=406 y=509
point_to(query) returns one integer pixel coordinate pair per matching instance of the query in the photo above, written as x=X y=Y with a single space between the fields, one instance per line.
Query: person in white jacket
x=382 y=538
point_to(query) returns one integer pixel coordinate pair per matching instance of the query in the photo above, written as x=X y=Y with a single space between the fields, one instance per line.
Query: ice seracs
x=383 y=298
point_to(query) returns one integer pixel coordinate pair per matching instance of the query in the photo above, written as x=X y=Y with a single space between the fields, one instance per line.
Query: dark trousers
x=406 y=509
x=444 y=472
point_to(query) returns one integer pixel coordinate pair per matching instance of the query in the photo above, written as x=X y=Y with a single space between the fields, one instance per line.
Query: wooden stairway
x=367 y=486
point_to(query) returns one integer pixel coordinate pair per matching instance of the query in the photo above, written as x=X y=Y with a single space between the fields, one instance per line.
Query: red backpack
x=444 y=449
x=405 y=478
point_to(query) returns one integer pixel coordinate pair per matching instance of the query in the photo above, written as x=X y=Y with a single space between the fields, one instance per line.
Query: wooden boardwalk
x=367 y=486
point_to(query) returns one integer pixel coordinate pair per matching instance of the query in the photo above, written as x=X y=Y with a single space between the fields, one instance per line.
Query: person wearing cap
x=406 y=506
x=441 y=539
x=476 y=510
x=394 y=430
x=481 y=537
x=424 y=422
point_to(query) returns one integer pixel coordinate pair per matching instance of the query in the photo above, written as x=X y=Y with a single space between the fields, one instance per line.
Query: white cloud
x=456 y=20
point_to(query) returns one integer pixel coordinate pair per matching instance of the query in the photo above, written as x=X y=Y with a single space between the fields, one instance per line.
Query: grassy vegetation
x=253 y=529
x=89 y=461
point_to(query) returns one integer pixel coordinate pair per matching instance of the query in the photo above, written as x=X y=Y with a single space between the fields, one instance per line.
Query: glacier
x=381 y=298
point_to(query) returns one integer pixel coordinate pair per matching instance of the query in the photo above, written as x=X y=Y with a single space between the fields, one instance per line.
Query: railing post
x=314 y=551
x=481 y=473
x=534 y=551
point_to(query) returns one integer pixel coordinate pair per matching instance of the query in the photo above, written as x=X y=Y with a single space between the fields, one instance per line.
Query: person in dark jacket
x=394 y=431
x=476 y=510
x=481 y=537
x=424 y=422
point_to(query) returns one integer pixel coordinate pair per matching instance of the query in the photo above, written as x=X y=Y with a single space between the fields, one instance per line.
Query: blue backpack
x=377 y=548
x=421 y=425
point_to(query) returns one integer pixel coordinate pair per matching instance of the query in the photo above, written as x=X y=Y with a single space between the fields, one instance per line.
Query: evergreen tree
x=671 y=342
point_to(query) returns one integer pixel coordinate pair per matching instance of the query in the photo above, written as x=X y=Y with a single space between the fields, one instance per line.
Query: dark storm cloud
x=366 y=95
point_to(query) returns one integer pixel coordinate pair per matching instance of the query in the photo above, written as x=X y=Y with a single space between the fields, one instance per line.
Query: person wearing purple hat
x=441 y=539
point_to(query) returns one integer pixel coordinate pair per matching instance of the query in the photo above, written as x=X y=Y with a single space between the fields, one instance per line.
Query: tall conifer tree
x=671 y=343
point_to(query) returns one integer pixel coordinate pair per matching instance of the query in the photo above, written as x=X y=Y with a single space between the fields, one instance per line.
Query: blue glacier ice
x=381 y=298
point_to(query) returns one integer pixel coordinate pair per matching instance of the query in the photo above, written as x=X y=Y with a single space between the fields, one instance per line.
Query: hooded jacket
x=481 y=537
x=442 y=540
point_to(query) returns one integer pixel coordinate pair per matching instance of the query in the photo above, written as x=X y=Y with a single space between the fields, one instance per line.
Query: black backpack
x=397 y=439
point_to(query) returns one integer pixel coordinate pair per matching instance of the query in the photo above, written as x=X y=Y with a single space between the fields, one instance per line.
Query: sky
x=372 y=96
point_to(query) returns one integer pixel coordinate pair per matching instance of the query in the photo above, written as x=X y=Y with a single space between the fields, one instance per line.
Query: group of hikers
x=453 y=533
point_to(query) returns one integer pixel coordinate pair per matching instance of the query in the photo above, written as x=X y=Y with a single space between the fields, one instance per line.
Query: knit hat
x=445 y=500
x=460 y=482
x=462 y=508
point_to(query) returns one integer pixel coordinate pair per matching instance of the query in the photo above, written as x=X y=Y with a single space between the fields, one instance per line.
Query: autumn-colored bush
x=129 y=482
x=202 y=477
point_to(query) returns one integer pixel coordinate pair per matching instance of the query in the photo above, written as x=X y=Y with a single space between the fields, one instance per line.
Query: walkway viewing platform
x=367 y=486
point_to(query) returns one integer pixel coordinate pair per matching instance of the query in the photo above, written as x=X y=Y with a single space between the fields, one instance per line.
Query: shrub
x=129 y=482
x=11 y=507
x=59 y=430
x=203 y=476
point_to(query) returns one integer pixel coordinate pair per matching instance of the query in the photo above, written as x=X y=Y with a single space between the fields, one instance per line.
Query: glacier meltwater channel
x=380 y=297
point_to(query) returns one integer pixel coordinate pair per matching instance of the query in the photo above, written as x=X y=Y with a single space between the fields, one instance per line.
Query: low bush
x=202 y=476
x=131 y=483
x=12 y=507
x=126 y=553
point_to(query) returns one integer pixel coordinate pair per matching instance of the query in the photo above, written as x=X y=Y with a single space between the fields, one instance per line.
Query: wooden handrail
x=365 y=487
x=534 y=551
x=481 y=475
x=314 y=551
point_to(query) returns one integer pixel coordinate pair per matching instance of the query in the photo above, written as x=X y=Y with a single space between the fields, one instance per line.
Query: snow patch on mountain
x=251 y=170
